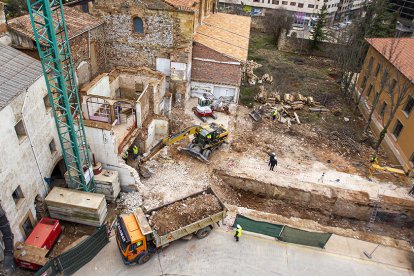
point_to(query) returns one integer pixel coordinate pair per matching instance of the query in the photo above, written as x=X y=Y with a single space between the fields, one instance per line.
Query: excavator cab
x=203 y=101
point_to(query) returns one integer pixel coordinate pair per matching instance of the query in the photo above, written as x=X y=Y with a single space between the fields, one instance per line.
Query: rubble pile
x=249 y=75
x=129 y=201
x=284 y=106
x=183 y=213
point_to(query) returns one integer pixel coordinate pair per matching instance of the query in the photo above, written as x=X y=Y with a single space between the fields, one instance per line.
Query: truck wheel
x=207 y=153
x=202 y=233
x=144 y=258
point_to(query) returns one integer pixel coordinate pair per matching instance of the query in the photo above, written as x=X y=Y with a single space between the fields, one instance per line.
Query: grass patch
x=260 y=41
x=247 y=94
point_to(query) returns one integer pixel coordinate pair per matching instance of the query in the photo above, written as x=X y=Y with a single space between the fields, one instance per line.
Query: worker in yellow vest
x=125 y=156
x=238 y=232
x=275 y=114
x=135 y=152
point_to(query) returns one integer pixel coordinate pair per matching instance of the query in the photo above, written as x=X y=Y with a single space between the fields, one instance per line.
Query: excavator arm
x=173 y=138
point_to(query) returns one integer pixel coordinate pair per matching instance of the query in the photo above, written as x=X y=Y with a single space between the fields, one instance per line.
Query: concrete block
x=77 y=206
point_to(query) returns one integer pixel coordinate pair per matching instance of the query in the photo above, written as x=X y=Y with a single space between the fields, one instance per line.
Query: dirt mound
x=184 y=212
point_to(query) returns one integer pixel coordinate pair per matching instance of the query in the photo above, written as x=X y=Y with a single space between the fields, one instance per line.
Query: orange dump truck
x=138 y=241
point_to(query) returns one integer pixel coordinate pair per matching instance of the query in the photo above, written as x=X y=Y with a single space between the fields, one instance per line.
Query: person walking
x=125 y=156
x=135 y=152
x=238 y=232
x=272 y=161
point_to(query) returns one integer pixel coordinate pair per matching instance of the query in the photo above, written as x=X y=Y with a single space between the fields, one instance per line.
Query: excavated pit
x=330 y=206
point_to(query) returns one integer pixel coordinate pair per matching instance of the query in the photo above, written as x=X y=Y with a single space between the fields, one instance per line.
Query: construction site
x=142 y=124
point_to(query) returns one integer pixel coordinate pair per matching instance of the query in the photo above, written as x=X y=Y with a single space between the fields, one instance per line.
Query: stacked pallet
x=107 y=183
x=76 y=206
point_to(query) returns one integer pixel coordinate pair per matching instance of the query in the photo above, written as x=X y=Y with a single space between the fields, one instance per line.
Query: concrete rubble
x=129 y=201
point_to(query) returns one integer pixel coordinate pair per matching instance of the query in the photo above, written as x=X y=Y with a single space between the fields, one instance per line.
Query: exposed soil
x=274 y=206
x=184 y=212
x=334 y=138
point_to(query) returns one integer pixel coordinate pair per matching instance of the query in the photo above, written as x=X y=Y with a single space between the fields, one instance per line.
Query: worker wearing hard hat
x=272 y=161
x=125 y=156
x=238 y=232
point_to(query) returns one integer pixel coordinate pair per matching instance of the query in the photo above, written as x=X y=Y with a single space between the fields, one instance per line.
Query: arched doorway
x=57 y=178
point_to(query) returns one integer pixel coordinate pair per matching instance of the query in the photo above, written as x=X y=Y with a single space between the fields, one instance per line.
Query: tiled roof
x=76 y=23
x=399 y=51
x=225 y=33
x=184 y=4
x=17 y=72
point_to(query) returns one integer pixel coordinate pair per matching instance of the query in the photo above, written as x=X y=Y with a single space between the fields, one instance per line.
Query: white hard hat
x=238 y=226
x=274 y=154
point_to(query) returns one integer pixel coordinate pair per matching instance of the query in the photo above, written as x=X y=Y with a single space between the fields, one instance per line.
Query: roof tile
x=225 y=33
x=399 y=51
x=76 y=23
x=18 y=72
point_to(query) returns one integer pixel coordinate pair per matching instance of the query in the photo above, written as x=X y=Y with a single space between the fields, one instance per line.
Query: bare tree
x=398 y=94
x=277 y=22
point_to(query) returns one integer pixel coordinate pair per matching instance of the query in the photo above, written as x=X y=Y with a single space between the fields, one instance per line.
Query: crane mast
x=49 y=27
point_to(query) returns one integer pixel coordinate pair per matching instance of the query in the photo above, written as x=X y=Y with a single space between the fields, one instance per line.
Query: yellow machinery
x=376 y=167
x=137 y=241
x=206 y=139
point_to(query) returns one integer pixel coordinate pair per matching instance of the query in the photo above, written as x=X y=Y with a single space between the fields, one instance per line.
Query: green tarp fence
x=283 y=233
x=72 y=260
x=298 y=236
x=260 y=227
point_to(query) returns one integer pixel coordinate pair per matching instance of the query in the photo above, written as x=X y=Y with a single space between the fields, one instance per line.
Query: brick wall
x=214 y=72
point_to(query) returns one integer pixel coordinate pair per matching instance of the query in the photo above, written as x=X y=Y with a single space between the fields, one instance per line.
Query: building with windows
x=388 y=71
x=305 y=11
x=30 y=150
x=349 y=9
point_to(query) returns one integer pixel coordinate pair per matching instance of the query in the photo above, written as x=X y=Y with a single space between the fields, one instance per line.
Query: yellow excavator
x=376 y=167
x=206 y=139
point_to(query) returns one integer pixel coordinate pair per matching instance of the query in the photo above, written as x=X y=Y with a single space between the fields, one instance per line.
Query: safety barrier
x=283 y=232
x=72 y=260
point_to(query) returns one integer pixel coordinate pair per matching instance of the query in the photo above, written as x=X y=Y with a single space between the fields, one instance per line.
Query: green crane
x=50 y=32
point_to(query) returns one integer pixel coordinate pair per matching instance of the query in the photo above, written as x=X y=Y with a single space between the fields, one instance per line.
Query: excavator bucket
x=194 y=153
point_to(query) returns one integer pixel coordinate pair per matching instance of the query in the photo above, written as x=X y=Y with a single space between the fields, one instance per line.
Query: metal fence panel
x=303 y=237
x=260 y=227
x=72 y=260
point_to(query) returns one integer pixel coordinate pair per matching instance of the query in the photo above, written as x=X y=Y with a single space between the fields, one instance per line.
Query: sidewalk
x=355 y=248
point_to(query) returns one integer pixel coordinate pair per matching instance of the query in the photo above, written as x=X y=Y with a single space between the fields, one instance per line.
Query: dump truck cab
x=132 y=243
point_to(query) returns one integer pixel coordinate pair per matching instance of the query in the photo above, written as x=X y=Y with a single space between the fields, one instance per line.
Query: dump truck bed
x=165 y=239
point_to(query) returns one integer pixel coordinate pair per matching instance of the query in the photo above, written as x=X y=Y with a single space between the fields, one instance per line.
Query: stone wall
x=302 y=46
x=26 y=161
x=328 y=200
x=167 y=33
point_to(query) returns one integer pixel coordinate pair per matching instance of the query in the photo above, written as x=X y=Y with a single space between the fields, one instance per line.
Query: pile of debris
x=272 y=102
x=129 y=201
x=249 y=75
x=184 y=212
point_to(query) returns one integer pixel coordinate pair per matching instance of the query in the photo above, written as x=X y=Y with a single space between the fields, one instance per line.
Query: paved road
x=219 y=254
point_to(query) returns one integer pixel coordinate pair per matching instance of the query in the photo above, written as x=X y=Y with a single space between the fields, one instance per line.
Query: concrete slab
x=69 y=197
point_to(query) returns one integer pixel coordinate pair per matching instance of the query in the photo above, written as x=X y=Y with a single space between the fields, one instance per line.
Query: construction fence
x=283 y=232
x=72 y=260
